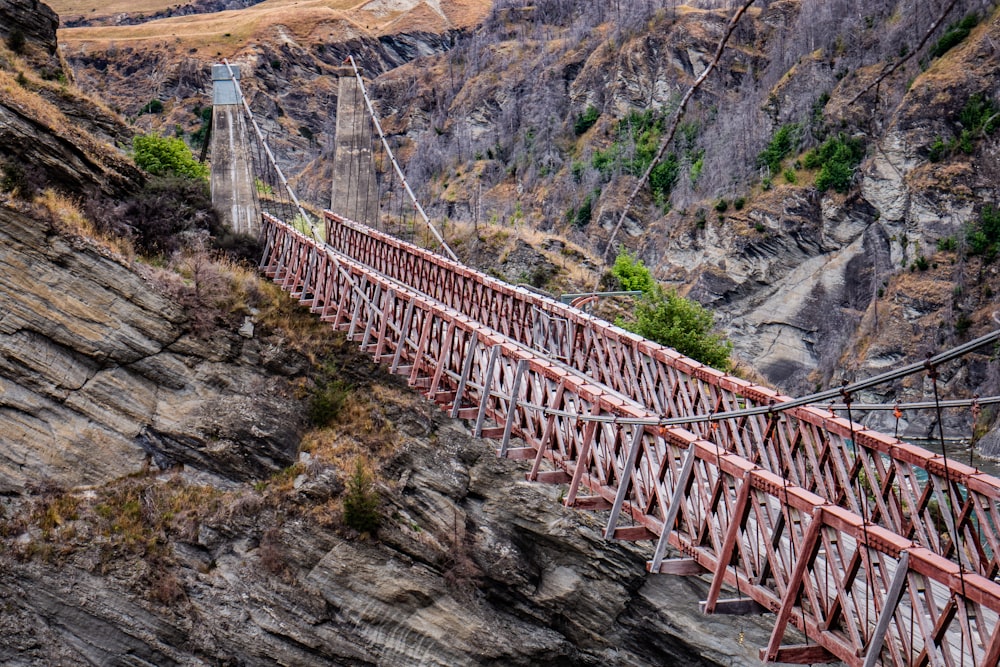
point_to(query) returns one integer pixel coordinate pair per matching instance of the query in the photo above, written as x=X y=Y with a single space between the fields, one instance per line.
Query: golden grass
x=230 y=31
x=66 y=215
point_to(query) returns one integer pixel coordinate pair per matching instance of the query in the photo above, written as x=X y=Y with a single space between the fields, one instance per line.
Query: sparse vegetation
x=586 y=120
x=978 y=118
x=16 y=41
x=954 y=35
x=164 y=156
x=361 y=500
x=983 y=236
x=784 y=142
x=836 y=159
x=152 y=106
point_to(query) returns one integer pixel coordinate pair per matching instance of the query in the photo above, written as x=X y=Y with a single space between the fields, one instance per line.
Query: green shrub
x=790 y=176
x=586 y=120
x=947 y=243
x=937 y=150
x=739 y=203
x=983 y=237
x=328 y=399
x=954 y=35
x=836 y=159
x=670 y=319
x=585 y=212
x=663 y=178
x=152 y=106
x=783 y=142
x=632 y=273
x=361 y=500
x=722 y=206
x=164 y=156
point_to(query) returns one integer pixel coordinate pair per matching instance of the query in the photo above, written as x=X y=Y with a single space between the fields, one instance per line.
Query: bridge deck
x=729 y=499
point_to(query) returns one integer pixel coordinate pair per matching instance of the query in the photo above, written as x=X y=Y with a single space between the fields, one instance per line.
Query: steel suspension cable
x=956 y=542
x=409 y=191
x=270 y=155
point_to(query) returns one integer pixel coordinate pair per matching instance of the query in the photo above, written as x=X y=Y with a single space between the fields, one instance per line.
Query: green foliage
x=739 y=203
x=983 y=237
x=152 y=106
x=947 y=244
x=632 y=274
x=790 y=176
x=837 y=158
x=663 y=177
x=722 y=206
x=670 y=319
x=584 y=214
x=586 y=120
x=165 y=156
x=696 y=166
x=954 y=35
x=329 y=397
x=783 y=142
x=937 y=150
x=361 y=500
x=979 y=117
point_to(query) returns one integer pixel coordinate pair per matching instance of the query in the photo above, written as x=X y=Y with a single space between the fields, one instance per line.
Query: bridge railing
x=858 y=591
x=913 y=492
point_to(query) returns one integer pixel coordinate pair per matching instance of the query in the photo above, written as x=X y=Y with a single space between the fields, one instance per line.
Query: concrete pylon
x=355 y=190
x=233 y=187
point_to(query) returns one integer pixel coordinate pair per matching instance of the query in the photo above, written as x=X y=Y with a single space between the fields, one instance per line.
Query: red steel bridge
x=874 y=550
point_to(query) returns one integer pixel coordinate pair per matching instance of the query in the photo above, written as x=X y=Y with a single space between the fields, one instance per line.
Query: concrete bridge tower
x=355 y=190
x=233 y=187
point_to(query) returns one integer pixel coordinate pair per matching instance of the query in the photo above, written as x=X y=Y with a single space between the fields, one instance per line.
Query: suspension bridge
x=866 y=549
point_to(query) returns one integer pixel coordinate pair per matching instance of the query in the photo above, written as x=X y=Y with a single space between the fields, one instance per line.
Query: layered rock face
x=98 y=371
x=471 y=568
x=35 y=21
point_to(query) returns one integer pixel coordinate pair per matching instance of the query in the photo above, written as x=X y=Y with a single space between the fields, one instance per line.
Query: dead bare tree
x=678 y=115
x=901 y=61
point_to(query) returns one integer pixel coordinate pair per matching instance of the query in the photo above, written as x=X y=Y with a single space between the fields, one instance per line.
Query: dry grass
x=27 y=103
x=65 y=213
x=301 y=20
x=359 y=431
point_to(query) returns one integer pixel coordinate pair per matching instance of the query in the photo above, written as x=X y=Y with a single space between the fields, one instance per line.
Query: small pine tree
x=361 y=500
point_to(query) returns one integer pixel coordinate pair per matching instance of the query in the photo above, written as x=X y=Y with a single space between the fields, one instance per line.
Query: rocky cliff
x=811 y=284
x=163 y=502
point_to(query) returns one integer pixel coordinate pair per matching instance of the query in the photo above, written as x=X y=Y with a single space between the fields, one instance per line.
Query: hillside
x=180 y=445
x=552 y=110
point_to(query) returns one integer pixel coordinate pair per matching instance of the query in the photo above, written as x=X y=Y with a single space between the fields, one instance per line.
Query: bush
x=163 y=156
x=954 y=35
x=784 y=140
x=361 y=501
x=836 y=159
x=631 y=273
x=663 y=177
x=670 y=319
x=722 y=206
x=983 y=237
x=586 y=120
x=152 y=106
x=328 y=400
x=16 y=41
